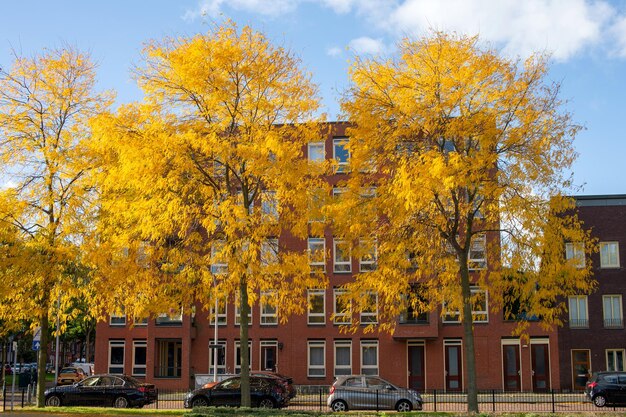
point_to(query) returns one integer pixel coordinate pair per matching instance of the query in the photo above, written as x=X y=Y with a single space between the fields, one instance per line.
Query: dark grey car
x=364 y=392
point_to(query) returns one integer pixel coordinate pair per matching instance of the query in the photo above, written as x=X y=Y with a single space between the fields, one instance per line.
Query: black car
x=607 y=388
x=265 y=392
x=120 y=391
x=286 y=381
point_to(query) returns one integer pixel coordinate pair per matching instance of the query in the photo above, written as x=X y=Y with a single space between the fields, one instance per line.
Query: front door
x=453 y=371
x=417 y=380
x=541 y=366
x=512 y=377
x=268 y=358
x=581 y=365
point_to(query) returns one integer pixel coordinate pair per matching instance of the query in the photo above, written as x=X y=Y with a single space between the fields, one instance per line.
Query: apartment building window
x=221 y=357
x=316 y=198
x=369 y=357
x=139 y=357
x=317 y=306
x=269 y=206
x=342 y=312
x=612 y=309
x=118 y=319
x=238 y=314
x=609 y=255
x=169 y=353
x=615 y=360
x=450 y=315
x=269 y=252
x=480 y=310
x=414 y=301
x=173 y=318
x=218 y=264
x=316 y=358
x=341 y=256
x=578 y=316
x=140 y=322
x=221 y=313
x=317 y=254
x=369 y=314
x=368 y=260
x=343 y=357
x=238 y=356
x=116 y=356
x=268 y=311
x=477 y=258
x=576 y=252
x=339 y=191
x=341 y=154
x=316 y=152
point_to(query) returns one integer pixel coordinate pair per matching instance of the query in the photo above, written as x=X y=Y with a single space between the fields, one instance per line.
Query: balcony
x=613 y=323
x=578 y=323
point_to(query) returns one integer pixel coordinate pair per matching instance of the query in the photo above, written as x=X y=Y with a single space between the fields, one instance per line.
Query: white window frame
x=477 y=313
x=237 y=361
x=221 y=367
x=237 y=315
x=164 y=319
x=139 y=344
x=316 y=197
x=614 y=352
x=578 y=321
x=218 y=267
x=316 y=147
x=369 y=369
x=614 y=317
x=450 y=316
x=315 y=292
x=222 y=313
x=315 y=264
x=117 y=344
x=268 y=317
x=316 y=344
x=269 y=252
x=576 y=252
x=342 y=166
x=343 y=369
x=341 y=266
x=609 y=254
x=477 y=256
x=269 y=206
x=117 y=319
x=338 y=316
x=369 y=264
x=370 y=317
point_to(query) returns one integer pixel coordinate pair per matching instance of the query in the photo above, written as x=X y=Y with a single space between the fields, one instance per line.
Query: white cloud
x=563 y=27
x=339 y=6
x=618 y=32
x=213 y=8
x=334 y=51
x=365 y=45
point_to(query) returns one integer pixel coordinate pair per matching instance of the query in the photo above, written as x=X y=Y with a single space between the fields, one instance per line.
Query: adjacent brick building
x=424 y=352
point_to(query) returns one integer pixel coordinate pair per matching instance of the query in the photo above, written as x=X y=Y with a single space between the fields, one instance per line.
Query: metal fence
x=313 y=398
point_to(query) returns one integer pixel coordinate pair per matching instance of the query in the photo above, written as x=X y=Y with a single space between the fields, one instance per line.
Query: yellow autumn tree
x=45 y=102
x=204 y=182
x=465 y=156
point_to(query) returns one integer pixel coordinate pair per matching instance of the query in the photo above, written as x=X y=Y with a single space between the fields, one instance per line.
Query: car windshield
x=233 y=383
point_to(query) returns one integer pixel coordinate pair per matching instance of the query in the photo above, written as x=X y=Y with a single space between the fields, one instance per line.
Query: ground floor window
x=238 y=356
x=343 y=357
x=116 y=356
x=316 y=358
x=168 y=358
x=221 y=356
x=615 y=360
x=139 y=357
x=369 y=357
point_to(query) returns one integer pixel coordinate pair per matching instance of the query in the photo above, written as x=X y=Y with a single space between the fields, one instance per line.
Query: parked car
x=363 y=392
x=70 y=375
x=607 y=388
x=265 y=392
x=85 y=366
x=120 y=391
x=286 y=381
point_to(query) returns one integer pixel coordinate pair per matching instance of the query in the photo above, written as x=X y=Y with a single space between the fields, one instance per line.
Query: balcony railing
x=579 y=323
x=613 y=323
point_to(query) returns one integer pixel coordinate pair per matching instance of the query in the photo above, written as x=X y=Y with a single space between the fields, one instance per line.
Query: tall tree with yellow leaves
x=45 y=103
x=204 y=179
x=469 y=154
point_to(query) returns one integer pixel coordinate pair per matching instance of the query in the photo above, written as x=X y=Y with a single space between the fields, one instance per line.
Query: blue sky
x=587 y=40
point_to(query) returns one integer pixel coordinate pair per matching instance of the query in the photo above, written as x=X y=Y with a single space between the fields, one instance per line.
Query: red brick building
x=424 y=352
x=593 y=337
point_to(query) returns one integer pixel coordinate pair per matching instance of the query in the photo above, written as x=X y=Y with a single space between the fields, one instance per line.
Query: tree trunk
x=42 y=358
x=244 y=309
x=468 y=336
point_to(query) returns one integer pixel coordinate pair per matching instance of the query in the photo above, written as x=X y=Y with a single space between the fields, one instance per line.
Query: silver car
x=363 y=392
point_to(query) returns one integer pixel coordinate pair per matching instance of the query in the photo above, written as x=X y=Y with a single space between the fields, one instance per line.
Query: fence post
x=553 y=408
x=23 y=392
x=320 y=398
x=157 y=399
x=376 y=400
x=435 y=399
x=4 y=398
x=493 y=400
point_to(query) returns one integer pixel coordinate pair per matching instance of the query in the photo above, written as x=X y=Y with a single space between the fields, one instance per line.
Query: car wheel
x=339 y=406
x=266 y=403
x=403 y=406
x=199 y=402
x=120 y=402
x=53 y=401
x=599 y=400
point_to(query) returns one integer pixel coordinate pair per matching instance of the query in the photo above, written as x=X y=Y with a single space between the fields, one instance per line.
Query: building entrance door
x=541 y=366
x=454 y=367
x=511 y=363
x=268 y=357
x=417 y=376
x=581 y=364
